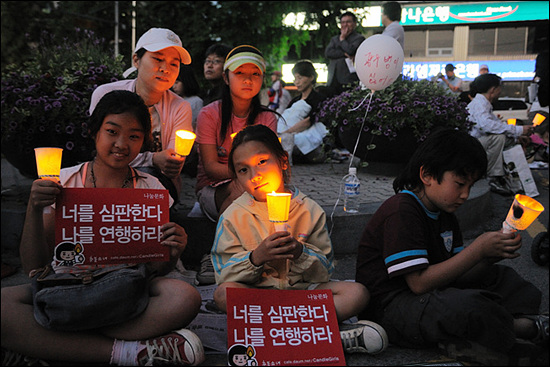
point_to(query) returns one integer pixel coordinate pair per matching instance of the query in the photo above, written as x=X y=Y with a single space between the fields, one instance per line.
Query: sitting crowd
x=417 y=283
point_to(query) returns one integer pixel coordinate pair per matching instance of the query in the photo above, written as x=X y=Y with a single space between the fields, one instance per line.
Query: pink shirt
x=208 y=132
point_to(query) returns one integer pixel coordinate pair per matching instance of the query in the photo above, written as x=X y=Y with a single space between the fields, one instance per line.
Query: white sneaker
x=363 y=337
x=181 y=347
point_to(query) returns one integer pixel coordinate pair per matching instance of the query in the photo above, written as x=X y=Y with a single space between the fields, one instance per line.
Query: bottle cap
x=353 y=170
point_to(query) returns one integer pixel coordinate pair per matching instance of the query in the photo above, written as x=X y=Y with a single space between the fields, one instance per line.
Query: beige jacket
x=244 y=225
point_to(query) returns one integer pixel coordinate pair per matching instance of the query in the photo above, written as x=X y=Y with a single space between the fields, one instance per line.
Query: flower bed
x=407 y=106
x=45 y=100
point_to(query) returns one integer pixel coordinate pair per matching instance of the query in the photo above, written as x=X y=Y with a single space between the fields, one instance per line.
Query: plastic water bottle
x=351 y=191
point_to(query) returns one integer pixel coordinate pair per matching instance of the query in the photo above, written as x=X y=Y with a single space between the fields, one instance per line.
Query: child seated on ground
x=248 y=253
x=151 y=333
x=427 y=287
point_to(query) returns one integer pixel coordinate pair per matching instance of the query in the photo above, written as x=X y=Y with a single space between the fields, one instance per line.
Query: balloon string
x=363 y=101
x=362 y=124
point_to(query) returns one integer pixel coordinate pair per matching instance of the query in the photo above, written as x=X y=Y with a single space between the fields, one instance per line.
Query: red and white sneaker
x=180 y=347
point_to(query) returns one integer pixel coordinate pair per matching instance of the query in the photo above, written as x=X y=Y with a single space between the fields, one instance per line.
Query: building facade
x=507 y=36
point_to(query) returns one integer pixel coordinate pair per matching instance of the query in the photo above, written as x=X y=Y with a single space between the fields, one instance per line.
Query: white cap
x=156 y=39
x=353 y=170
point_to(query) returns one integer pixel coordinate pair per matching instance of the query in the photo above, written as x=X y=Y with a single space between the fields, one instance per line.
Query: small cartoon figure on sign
x=69 y=254
x=240 y=355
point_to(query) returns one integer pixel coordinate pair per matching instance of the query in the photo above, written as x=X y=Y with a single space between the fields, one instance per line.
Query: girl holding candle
x=119 y=126
x=427 y=286
x=248 y=253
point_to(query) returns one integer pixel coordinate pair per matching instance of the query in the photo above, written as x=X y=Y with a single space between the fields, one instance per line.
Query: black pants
x=482 y=312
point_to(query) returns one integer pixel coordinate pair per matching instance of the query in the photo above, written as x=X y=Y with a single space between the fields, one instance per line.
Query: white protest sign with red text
x=268 y=327
x=110 y=226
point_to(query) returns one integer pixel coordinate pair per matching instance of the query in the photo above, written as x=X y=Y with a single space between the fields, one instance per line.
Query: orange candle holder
x=278 y=205
x=184 y=142
x=48 y=162
x=538 y=119
x=522 y=213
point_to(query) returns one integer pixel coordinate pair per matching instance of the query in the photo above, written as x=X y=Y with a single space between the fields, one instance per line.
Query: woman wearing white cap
x=157 y=58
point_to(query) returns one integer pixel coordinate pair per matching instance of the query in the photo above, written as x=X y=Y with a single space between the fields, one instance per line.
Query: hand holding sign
x=379 y=61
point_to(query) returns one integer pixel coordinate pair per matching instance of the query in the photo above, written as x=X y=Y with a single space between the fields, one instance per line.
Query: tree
x=198 y=23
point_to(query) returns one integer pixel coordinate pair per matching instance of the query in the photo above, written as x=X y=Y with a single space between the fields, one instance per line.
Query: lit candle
x=233 y=135
x=538 y=119
x=278 y=205
x=511 y=121
x=184 y=142
x=522 y=213
x=48 y=163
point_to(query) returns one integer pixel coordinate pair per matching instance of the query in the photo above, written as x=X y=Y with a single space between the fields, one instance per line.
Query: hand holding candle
x=523 y=212
x=184 y=142
x=48 y=163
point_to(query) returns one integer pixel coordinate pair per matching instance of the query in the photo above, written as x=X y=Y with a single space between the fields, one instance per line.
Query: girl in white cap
x=157 y=58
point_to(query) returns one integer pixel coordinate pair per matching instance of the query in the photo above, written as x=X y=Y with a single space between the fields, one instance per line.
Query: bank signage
x=508 y=70
x=461 y=13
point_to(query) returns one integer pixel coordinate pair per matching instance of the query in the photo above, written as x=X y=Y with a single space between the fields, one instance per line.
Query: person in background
x=495 y=135
x=275 y=92
x=341 y=54
x=120 y=123
x=213 y=71
x=450 y=81
x=248 y=253
x=391 y=17
x=428 y=287
x=239 y=106
x=187 y=87
x=284 y=101
x=541 y=98
x=157 y=58
x=483 y=69
x=298 y=120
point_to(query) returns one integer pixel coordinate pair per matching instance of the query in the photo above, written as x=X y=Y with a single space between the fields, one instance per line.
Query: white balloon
x=379 y=61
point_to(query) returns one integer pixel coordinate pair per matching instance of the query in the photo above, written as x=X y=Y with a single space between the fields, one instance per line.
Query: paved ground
x=483 y=212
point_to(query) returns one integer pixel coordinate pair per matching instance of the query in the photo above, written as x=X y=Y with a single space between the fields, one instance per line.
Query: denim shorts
x=112 y=298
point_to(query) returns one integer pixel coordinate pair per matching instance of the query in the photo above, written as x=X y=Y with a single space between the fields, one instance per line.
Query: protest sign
x=110 y=226
x=268 y=327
